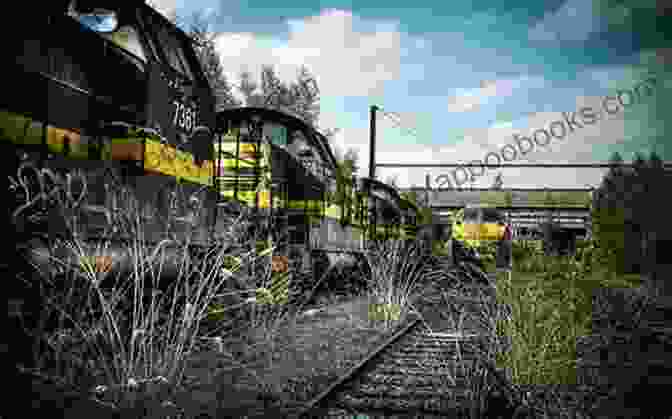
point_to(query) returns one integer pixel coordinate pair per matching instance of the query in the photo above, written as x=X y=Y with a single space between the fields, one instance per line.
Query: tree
x=636 y=16
x=626 y=216
x=345 y=170
x=351 y=157
x=247 y=87
x=299 y=98
x=347 y=165
x=608 y=216
x=655 y=230
x=613 y=184
x=306 y=96
x=204 y=42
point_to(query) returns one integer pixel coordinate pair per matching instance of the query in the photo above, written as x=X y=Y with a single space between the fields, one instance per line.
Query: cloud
x=471 y=100
x=575 y=20
x=346 y=61
x=587 y=143
x=578 y=146
x=356 y=136
x=349 y=56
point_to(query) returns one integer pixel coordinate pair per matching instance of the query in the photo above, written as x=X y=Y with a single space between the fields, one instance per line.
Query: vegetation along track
x=414 y=372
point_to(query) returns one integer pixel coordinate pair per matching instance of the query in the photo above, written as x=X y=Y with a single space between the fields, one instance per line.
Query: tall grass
x=109 y=331
x=396 y=270
x=552 y=307
x=550 y=304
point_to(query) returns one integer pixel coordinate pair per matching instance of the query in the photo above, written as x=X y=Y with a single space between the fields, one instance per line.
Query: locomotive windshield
x=116 y=25
x=99 y=20
x=171 y=46
x=96 y=15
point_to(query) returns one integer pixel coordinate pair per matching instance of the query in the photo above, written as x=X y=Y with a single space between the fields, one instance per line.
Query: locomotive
x=106 y=86
x=481 y=223
x=284 y=170
x=115 y=90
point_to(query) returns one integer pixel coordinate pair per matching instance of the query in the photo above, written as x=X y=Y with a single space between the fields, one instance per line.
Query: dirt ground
x=306 y=357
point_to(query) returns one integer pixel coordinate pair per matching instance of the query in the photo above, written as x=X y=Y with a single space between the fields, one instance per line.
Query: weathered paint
x=166 y=160
x=160 y=158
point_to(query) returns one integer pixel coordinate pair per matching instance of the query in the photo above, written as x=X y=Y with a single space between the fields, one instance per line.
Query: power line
x=666 y=165
x=399 y=117
x=398 y=125
x=396 y=120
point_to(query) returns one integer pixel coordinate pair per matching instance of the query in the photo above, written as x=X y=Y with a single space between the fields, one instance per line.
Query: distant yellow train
x=476 y=223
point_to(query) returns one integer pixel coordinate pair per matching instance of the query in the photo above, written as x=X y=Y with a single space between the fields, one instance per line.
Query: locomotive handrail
x=281 y=117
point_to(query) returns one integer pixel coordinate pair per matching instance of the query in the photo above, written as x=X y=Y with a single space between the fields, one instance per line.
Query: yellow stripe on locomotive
x=131 y=143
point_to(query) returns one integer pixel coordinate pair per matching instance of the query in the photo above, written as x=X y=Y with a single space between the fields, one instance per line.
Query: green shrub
x=550 y=312
x=609 y=238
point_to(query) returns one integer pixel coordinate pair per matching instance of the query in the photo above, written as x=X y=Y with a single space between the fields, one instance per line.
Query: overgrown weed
x=397 y=269
x=121 y=334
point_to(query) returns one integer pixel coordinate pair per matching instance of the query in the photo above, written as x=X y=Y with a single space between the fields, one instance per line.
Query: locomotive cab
x=483 y=223
x=113 y=89
x=100 y=62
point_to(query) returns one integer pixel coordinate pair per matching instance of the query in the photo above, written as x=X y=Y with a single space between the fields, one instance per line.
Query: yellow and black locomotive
x=116 y=90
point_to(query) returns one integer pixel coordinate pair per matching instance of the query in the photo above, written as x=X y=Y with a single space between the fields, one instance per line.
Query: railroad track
x=415 y=373
x=424 y=369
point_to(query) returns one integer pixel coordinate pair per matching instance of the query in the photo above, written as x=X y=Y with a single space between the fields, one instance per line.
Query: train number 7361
x=184 y=116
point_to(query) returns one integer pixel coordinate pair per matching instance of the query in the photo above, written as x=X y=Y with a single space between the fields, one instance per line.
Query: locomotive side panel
x=117 y=107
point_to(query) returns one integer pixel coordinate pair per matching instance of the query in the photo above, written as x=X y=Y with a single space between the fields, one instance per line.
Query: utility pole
x=372 y=171
x=427 y=188
x=372 y=142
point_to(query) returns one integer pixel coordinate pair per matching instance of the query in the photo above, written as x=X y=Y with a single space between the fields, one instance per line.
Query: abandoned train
x=116 y=90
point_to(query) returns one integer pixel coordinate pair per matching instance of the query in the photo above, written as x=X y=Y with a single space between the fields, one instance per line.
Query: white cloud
x=350 y=62
x=357 y=137
x=576 y=147
x=579 y=146
x=468 y=100
x=463 y=103
x=345 y=61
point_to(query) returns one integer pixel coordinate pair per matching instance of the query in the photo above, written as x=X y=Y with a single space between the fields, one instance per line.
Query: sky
x=459 y=82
